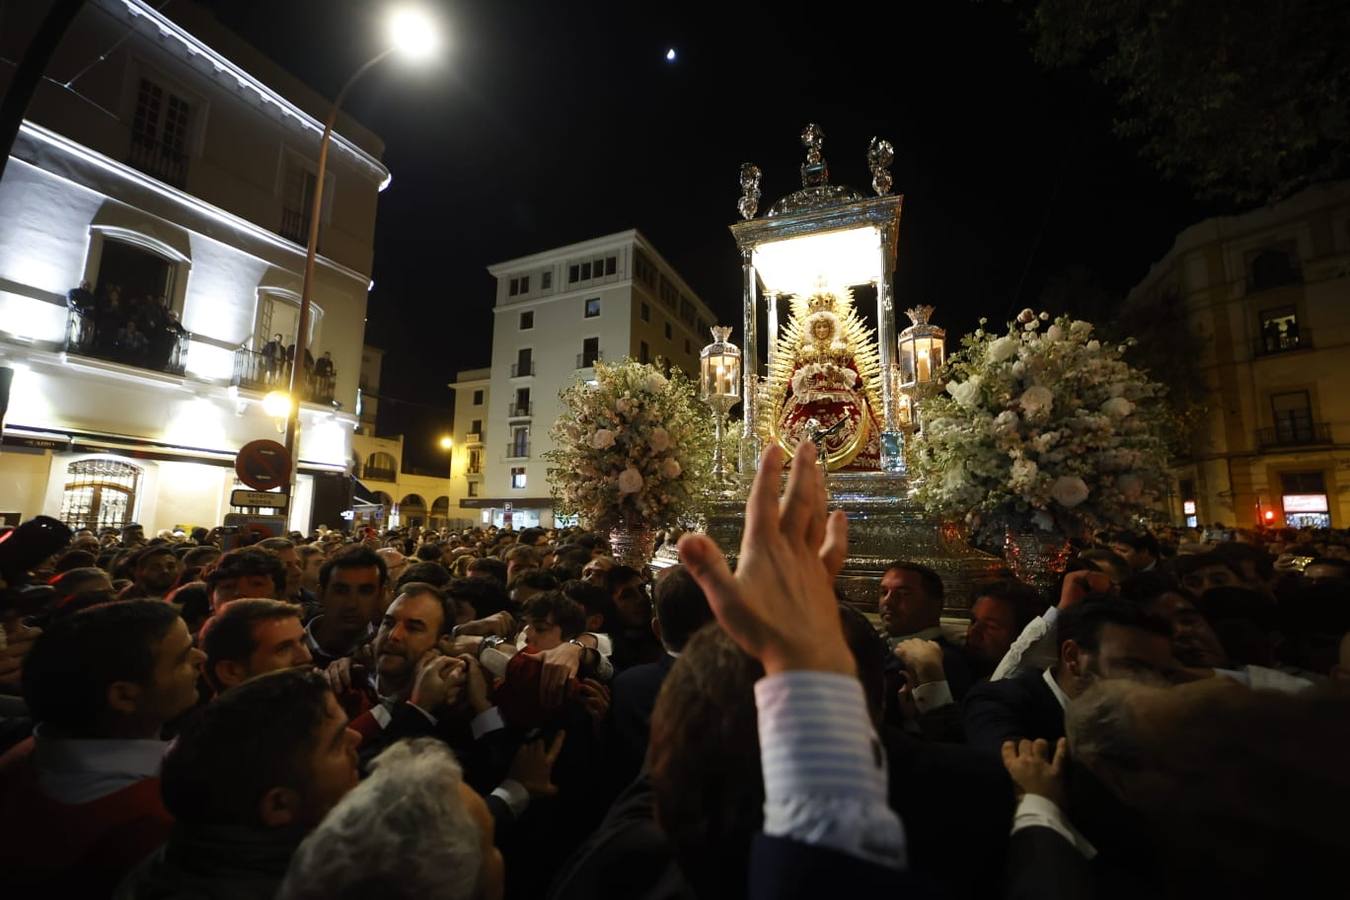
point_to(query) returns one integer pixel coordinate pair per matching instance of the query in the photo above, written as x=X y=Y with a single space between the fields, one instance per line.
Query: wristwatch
x=581 y=663
x=487 y=642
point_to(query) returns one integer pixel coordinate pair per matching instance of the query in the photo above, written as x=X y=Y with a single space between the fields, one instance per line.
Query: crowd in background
x=492 y=712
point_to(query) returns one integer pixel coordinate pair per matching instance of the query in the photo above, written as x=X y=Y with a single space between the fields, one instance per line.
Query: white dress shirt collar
x=1063 y=698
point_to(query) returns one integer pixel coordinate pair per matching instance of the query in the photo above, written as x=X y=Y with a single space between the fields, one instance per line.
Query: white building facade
x=556 y=314
x=172 y=180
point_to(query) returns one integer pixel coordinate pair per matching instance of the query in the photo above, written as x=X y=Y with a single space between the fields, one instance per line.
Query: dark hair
x=228 y=635
x=275 y=543
x=428 y=572
x=430 y=552
x=681 y=607
x=357 y=556
x=567 y=614
x=594 y=599
x=529 y=553
x=1193 y=562
x=1097 y=555
x=194 y=604
x=488 y=567
x=420 y=588
x=1024 y=600
x=535 y=578
x=483 y=594
x=252 y=738
x=1082 y=623
x=1144 y=588
x=1236 y=553
x=1137 y=541
x=591 y=541
x=931 y=581
x=74 y=559
x=67 y=673
x=246 y=562
x=153 y=549
x=200 y=556
x=199 y=534
x=529 y=536
x=618 y=576
x=67 y=583
x=572 y=555
x=869 y=654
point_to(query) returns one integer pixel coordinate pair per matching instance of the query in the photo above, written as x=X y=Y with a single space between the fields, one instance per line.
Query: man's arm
x=991 y=716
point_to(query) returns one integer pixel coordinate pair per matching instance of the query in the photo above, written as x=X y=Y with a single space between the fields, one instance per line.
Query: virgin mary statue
x=822 y=383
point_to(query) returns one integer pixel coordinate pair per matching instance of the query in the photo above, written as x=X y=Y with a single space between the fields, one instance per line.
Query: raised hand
x=780 y=605
x=533 y=766
x=438 y=682
x=1034 y=771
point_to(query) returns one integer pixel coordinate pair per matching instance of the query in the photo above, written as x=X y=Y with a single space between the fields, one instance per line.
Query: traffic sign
x=255 y=499
x=262 y=526
x=263 y=465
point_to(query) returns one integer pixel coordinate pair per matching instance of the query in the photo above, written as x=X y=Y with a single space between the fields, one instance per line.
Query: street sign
x=255 y=499
x=262 y=526
x=263 y=465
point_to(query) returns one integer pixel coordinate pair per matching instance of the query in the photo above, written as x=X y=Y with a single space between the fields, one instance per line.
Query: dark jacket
x=632 y=699
x=1014 y=708
x=214 y=862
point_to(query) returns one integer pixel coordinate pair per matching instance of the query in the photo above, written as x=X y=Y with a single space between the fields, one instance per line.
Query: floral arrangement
x=632 y=447
x=1042 y=427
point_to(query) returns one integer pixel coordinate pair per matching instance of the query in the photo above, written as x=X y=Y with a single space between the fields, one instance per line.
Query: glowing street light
x=447 y=442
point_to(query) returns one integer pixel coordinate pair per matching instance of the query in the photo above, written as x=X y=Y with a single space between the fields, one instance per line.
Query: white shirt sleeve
x=932 y=695
x=1034 y=810
x=1035 y=647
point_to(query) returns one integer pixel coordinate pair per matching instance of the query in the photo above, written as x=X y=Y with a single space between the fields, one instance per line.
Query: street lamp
x=447 y=444
x=412 y=34
x=277 y=404
x=720 y=388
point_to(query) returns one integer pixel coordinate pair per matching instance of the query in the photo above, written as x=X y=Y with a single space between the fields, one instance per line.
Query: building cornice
x=192 y=47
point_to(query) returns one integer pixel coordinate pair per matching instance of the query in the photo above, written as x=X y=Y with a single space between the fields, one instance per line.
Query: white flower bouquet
x=1041 y=427
x=634 y=447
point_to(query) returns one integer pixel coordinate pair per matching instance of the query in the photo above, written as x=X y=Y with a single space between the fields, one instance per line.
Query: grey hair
x=1100 y=727
x=401 y=833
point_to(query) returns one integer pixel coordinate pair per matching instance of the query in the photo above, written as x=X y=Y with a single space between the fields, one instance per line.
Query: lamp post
x=415 y=37
x=447 y=443
x=720 y=388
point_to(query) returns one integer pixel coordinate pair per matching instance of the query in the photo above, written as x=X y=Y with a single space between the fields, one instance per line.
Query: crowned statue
x=822 y=383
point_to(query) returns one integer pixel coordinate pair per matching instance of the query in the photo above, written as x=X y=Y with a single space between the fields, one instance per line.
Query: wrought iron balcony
x=586 y=360
x=272 y=372
x=295 y=226
x=1271 y=344
x=519 y=410
x=518 y=450
x=473 y=437
x=518 y=370
x=129 y=337
x=156 y=158
x=1294 y=434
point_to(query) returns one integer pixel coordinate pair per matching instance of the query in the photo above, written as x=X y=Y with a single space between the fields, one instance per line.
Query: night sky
x=547 y=123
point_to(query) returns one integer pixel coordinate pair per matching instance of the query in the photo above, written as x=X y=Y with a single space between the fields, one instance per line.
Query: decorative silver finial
x=721 y=334
x=919 y=315
x=749 y=202
x=880 y=155
x=815 y=171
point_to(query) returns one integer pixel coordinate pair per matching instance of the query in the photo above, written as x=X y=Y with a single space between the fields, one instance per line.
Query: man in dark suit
x=1101 y=637
x=910 y=605
x=680 y=609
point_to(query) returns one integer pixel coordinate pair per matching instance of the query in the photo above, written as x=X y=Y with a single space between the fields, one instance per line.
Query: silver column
x=771 y=341
x=892 y=441
x=750 y=365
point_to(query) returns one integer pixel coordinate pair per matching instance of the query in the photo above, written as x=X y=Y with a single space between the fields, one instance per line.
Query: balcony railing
x=295 y=226
x=147 y=339
x=374 y=473
x=521 y=369
x=1284 y=342
x=158 y=159
x=586 y=360
x=473 y=437
x=474 y=469
x=519 y=410
x=272 y=372
x=518 y=450
x=1294 y=434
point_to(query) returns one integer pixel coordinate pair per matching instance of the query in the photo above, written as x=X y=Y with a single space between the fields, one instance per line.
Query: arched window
x=99 y=493
x=1272 y=268
x=381 y=466
x=412 y=510
x=441 y=508
x=413 y=500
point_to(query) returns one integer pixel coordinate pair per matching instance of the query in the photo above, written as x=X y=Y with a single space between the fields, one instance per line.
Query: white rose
x=1130 y=485
x=603 y=439
x=659 y=440
x=1002 y=349
x=630 y=481
x=1036 y=400
x=623 y=406
x=1118 y=407
x=1079 y=328
x=671 y=468
x=655 y=383
x=1054 y=333
x=1024 y=470
x=1019 y=368
x=1093 y=346
x=966 y=392
x=1069 y=491
x=954 y=479
x=1006 y=421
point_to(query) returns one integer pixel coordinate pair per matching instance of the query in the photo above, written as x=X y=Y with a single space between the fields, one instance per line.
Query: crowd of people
x=494 y=713
x=137 y=330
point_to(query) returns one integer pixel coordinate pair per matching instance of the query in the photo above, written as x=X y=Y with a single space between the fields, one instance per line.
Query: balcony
x=156 y=158
x=148 y=337
x=295 y=226
x=1284 y=342
x=586 y=360
x=518 y=450
x=519 y=410
x=519 y=370
x=473 y=437
x=269 y=372
x=376 y=474
x=1294 y=434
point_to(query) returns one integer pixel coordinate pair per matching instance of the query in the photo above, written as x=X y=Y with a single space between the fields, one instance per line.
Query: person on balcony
x=272 y=353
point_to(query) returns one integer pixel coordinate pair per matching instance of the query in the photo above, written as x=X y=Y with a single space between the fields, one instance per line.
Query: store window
x=1303 y=495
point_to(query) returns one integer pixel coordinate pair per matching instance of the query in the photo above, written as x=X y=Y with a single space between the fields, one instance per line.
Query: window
x=669 y=333
x=669 y=295
x=592 y=307
x=524 y=362
x=99 y=493
x=476 y=427
x=644 y=355
x=1187 y=490
x=1292 y=413
x=585 y=271
x=1304 y=499
x=524 y=284
x=297 y=201
x=476 y=461
x=590 y=352
x=159 y=133
x=527 y=320
x=477 y=400
x=573 y=274
x=517 y=477
x=473 y=489
x=643 y=268
x=381 y=466
x=520 y=441
x=646 y=313
x=611 y=265
x=703 y=328
x=686 y=311
x=513 y=287
x=1272 y=268
x=522 y=404
x=134 y=275
x=1279 y=331
x=546 y=280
